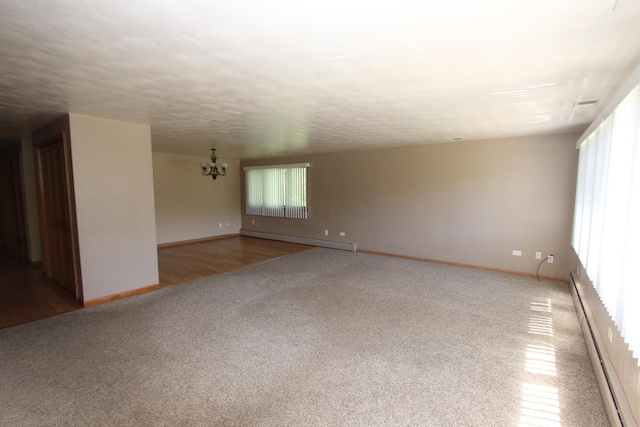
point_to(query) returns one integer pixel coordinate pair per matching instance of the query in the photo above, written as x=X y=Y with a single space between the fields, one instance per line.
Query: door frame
x=61 y=136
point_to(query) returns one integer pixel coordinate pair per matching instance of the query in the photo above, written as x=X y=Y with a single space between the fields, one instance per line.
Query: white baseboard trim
x=345 y=246
x=617 y=409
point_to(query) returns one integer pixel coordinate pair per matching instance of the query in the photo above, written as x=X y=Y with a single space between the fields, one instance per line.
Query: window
x=277 y=190
x=606 y=228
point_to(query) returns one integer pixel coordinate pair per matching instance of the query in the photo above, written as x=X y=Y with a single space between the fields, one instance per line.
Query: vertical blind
x=279 y=191
x=606 y=228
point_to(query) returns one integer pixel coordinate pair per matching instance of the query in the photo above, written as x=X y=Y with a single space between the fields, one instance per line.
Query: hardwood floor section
x=26 y=295
x=180 y=264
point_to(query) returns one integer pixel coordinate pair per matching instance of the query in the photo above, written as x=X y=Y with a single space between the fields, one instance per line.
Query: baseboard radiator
x=617 y=410
x=345 y=246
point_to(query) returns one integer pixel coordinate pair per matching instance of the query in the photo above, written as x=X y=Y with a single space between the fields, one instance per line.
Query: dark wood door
x=55 y=216
x=12 y=228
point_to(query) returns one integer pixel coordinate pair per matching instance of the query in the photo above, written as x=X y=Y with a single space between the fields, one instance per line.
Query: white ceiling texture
x=259 y=78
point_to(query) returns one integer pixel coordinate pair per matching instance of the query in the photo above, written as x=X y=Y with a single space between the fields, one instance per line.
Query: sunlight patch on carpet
x=540 y=400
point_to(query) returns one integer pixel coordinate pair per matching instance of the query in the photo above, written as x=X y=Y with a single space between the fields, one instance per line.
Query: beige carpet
x=319 y=338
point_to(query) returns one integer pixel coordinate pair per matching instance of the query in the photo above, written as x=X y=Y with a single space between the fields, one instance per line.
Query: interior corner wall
x=113 y=180
x=470 y=202
x=191 y=206
x=31 y=199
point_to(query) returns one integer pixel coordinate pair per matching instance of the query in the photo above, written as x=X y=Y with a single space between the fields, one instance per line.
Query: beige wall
x=113 y=181
x=192 y=206
x=467 y=202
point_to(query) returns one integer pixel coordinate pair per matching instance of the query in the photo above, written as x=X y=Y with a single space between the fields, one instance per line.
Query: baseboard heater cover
x=619 y=415
x=345 y=246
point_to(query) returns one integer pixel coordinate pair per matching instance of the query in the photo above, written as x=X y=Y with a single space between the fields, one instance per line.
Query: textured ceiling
x=259 y=78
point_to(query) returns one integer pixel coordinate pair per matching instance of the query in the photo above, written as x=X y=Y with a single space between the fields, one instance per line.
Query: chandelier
x=213 y=168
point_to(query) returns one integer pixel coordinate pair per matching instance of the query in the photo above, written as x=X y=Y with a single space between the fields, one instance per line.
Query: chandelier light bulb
x=212 y=168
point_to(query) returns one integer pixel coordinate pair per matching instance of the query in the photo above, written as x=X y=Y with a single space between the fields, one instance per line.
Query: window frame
x=261 y=199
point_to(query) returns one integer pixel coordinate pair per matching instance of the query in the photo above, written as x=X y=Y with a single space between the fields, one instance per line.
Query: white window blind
x=606 y=228
x=278 y=190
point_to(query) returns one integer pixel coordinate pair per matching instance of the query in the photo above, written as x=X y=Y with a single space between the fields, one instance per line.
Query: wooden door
x=55 y=215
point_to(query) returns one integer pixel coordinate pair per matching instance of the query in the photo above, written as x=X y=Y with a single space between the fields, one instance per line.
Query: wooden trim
x=458 y=264
x=42 y=207
x=120 y=295
x=73 y=220
x=203 y=239
x=52 y=137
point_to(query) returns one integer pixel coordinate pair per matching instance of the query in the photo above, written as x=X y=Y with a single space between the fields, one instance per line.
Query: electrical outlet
x=550 y=259
x=610 y=335
x=253 y=221
x=342 y=234
x=326 y=232
x=517 y=253
x=227 y=224
x=220 y=225
x=538 y=255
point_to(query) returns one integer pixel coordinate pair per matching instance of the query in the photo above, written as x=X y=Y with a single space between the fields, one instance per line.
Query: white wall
x=113 y=179
x=192 y=206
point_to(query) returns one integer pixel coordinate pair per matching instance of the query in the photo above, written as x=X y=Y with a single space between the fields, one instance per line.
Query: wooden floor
x=26 y=295
x=179 y=264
